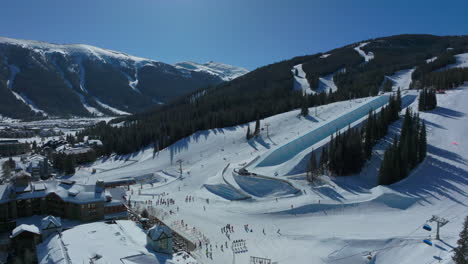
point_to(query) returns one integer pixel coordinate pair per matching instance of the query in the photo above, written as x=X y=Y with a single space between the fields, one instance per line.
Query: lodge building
x=61 y=198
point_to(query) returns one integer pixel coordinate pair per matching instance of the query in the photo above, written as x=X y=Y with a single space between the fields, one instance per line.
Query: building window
x=164 y=243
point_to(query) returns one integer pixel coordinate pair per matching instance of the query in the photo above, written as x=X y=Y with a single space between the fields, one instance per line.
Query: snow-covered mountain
x=224 y=71
x=40 y=78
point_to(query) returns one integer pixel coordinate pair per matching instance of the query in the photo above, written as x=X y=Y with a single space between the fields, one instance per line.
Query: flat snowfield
x=338 y=220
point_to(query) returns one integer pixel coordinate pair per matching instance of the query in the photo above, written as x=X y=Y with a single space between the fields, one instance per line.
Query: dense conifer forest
x=406 y=152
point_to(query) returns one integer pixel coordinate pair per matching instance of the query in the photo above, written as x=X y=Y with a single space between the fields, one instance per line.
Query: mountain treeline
x=406 y=152
x=441 y=80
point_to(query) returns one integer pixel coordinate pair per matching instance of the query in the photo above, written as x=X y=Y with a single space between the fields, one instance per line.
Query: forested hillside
x=269 y=90
x=39 y=79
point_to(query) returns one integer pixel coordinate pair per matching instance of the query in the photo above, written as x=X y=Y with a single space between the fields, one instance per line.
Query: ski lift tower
x=267 y=125
x=180 y=165
x=440 y=223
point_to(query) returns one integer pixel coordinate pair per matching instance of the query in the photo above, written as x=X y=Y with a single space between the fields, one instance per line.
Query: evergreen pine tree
x=304 y=108
x=144 y=213
x=461 y=251
x=422 y=146
x=422 y=98
x=398 y=99
x=368 y=137
x=324 y=159
x=257 y=127
x=312 y=167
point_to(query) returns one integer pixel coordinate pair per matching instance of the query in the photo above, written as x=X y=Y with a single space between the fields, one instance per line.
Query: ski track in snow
x=110 y=108
x=401 y=79
x=326 y=82
x=133 y=82
x=300 y=80
x=13 y=71
x=367 y=57
x=461 y=61
x=90 y=109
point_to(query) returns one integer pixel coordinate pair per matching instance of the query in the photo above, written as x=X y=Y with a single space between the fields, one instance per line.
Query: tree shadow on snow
x=311 y=118
x=434 y=177
x=446 y=154
x=446 y=112
x=432 y=124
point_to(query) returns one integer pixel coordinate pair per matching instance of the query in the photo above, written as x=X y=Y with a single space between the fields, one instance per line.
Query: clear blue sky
x=248 y=33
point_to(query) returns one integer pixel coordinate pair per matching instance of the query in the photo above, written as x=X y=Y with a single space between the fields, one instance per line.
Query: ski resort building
x=50 y=225
x=24 y=239
x=159 y=238
x=60 y=198
x=12 y=147
x=99 y=242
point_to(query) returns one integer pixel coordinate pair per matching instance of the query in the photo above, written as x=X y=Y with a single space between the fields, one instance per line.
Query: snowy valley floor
x=339 y=221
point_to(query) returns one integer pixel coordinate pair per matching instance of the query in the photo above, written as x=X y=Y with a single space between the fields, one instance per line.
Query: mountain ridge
x=39 y=78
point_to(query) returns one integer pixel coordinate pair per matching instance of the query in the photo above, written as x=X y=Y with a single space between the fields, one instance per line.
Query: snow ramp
x=225 y=191
x=385 y=200
x=264 y=186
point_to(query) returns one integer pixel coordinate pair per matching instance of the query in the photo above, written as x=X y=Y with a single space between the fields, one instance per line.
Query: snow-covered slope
x=300 y=81
x=75 y=74
x=336 y=220
x=223 y=71
x=401 y=79
x=367 y=56
x=461 y=61
x=104 y=55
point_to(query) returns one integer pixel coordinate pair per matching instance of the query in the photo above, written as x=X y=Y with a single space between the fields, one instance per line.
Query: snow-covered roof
x=39 y=186
x=95 y=142
x=140 y=259
x=51 y=222
x=25 y=228
x=74 y=193
x=112 y=242
x=156 y=231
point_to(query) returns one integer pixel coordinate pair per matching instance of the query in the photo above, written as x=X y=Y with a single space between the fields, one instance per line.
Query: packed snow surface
x=13 y=72
x=224 y=71
x=401 y=79
x=367 y=56
x=461 y=61
x=326 y=83
x=335 y=220
x=431 y=59
x=300 y=81
x=110 y=108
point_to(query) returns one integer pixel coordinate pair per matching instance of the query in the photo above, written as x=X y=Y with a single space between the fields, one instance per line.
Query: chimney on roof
x=99 y=186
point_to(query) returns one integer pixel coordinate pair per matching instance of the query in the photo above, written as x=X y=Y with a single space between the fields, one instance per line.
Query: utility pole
x=180 y=166
x=440 y=223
